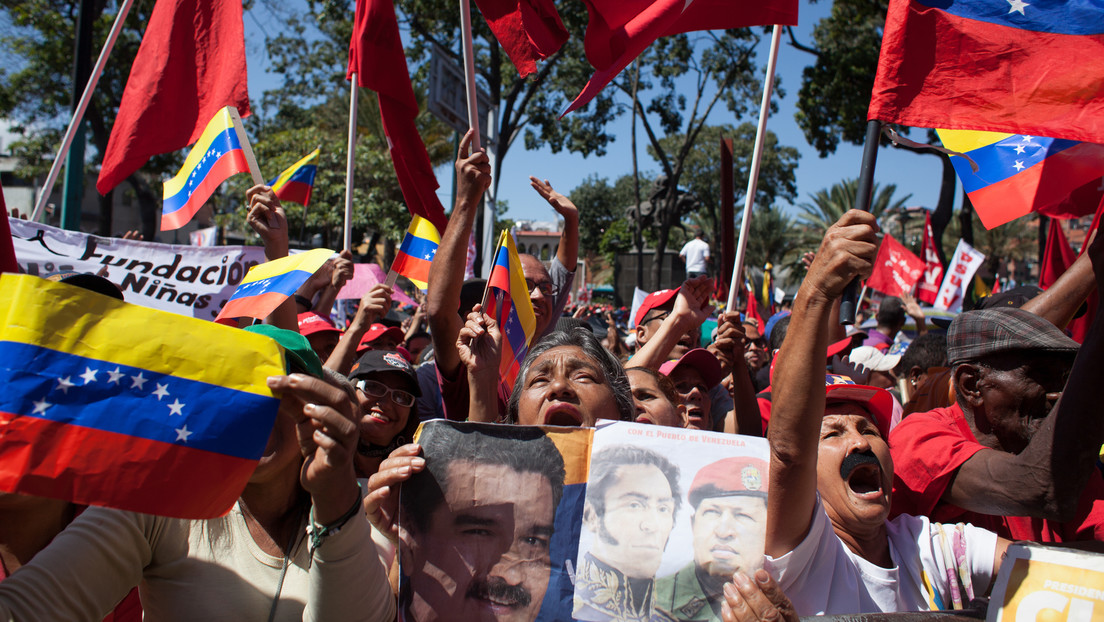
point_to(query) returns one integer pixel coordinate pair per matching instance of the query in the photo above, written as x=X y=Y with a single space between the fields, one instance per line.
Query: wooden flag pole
x=349 y=164
x=469 y=72
x=78 y=114
x=849 y=302
x=753 y=174
x=250 y=157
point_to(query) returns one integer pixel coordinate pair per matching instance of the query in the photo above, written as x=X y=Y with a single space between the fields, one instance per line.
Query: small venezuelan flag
x=416 y=253
x=509 y=304
x=295 y=183
x=113 y=404
x=267 y=285
x=1020 y=174
x=217 y=155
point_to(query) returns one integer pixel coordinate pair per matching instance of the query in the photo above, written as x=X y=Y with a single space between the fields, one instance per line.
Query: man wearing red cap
x=729 y=498
x=828 y=539
x=320 y=332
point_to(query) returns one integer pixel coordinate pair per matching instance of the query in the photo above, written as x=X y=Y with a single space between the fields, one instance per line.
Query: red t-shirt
x=928 y=448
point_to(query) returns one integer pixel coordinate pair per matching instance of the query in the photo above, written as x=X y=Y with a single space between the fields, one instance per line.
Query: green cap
x=300 y=355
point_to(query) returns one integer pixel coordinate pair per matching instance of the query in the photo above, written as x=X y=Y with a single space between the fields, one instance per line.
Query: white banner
x=959 y=276
x=189 y=280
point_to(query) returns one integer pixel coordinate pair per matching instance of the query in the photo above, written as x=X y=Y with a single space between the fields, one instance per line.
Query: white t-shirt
x=823 y=577
x=695 y=252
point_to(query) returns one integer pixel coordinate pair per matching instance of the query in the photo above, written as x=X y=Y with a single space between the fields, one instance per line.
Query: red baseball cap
x=375 y=331
x=311 y=323
x=654 y=300
x=701 y=360
x=877 y=401
x=729 y=477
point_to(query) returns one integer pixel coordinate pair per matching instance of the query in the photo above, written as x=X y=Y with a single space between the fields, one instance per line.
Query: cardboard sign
x=1048 y=584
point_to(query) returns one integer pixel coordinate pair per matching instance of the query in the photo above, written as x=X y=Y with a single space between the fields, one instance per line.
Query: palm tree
x=830 y=205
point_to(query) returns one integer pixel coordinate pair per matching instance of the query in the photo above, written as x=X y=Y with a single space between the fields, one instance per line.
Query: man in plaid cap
x=829 y=541
x=1009 y=455
x=729 y=498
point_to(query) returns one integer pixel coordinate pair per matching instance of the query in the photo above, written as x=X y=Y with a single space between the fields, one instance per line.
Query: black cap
x=377 y=361
x=88 y=281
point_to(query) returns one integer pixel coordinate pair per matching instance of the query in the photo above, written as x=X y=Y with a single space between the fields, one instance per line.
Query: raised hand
x=267 y=218
x=563 y=205
x=381 y=504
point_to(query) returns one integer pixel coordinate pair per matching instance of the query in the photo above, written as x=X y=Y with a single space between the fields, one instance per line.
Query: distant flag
x=959 y=277
x=7 y=247
x=376 y=57
x=527 y=30
x=928 y=287
x=204 y=237
x=618 y=31
x=469 y=260
x=1018 y=174
x=896 y=269
x=508 y=303
x=981 y=290
x=1034 y=68
x=752 y=311
x=1058 y=256
x=269 y=284
x=768 y=289
x=416 y=252
x=297 y=181
x=217 y=155
x=190 y=64
x=114 y=404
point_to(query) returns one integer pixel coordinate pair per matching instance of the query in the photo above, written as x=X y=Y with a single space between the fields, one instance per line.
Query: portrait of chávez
x=729 y=522
x=631 y=502
x=476 y=524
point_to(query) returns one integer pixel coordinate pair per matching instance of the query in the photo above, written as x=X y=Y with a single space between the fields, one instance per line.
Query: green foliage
x=829 y=205
x=775 y=238
x=833 y=97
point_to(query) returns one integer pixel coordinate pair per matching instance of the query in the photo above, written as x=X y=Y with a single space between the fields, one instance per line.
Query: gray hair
x=585 y=340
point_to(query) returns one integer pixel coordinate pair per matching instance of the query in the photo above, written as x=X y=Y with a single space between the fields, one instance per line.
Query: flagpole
x=82 y=106
x=351 y=160
x=247 y=148
x=753 y=174
x=469 y=72
x=848 y=302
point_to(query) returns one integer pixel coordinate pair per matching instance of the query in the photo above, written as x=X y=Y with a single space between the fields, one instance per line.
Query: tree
x=720 y=66
x=833 y=99
x=702 y=172
x=603 y=228
x=829 y=205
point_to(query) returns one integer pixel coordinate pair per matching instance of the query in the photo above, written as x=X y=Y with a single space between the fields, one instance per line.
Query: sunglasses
x=377 y=389
x=545 y=287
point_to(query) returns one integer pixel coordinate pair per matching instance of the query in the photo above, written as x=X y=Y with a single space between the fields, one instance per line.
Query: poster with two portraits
x=625 y=522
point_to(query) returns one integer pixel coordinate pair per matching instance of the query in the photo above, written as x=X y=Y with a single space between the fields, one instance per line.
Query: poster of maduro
x=623 y=522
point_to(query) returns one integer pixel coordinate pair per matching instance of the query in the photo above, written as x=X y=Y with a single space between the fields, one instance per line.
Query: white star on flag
x=162 y=391
x=1019 y=165
x=1019 y=148
x=429 y=256
x=138 y=382
x=176 y=408
x=114 y=376
x=1026 y=139
x=89 y=375
x=182 y=433
x=1017 y=6
x=40 y=406
x=64 y=384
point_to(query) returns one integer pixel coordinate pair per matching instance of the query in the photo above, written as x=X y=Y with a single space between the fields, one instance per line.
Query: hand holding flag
x=297 y=181
x=507 y=301
x=268 y=285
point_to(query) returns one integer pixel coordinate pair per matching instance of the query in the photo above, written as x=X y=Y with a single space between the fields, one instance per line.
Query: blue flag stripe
x=1069 y=17
x=1006 y=158
x=224 y=143
x=418 y=247
x=285 y=284
x=57 y=386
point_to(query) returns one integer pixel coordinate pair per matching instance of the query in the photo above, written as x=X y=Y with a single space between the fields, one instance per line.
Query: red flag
x=191 y=64
x=752 y=311
x=7 y=249
x=896 y=269
x=1058 y=256
x=928 y=288
x=376 y=57
x=619 y=30
x=527 y=30
x=977 y=66
x=1079 y=326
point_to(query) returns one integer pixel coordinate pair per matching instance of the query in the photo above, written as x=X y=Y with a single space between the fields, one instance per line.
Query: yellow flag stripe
x=77 y=321
x=309 y=261
x=518 y=291
x=286 y=175
x=964 y=141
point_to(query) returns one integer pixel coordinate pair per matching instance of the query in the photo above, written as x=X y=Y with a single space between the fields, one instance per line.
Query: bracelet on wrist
x=318 y=533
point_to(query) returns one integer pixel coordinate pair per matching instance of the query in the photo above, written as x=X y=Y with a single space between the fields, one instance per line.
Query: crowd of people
x=898 y=474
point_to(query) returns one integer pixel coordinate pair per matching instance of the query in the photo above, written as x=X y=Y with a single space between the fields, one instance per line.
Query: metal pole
x=849 y=301
x=73 y=188
x=347 y=244
x=469 y=72
x=753 y=174
x=82 y=106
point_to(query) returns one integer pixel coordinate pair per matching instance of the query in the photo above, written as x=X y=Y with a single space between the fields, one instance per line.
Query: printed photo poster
x=1048 y=584
x=489 y=529
x=668 y=516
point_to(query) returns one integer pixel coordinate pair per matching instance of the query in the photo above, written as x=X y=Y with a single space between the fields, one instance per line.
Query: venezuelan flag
x=114 y=404
x=267 y=285
x=1029 y=67
x=510 y=306
x=295 y=183
x=416 y=253
x=1020 y=174
x=217 y=155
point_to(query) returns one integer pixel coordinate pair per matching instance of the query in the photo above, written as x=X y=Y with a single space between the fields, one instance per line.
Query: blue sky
x=913 y=174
